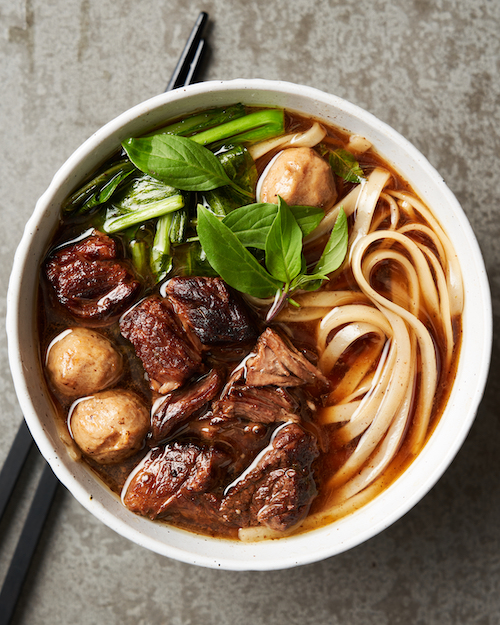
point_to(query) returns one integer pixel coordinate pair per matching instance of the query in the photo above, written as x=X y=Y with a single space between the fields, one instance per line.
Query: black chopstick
x=184 y=73
x=13 y=465
x=195 y=63
x=192 y=50
x=27 y=544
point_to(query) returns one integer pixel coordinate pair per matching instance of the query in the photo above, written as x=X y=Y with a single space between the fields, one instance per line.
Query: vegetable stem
x=154 y=209
x=100 y=188
x=138 y=252
x=161 y=259
x=202 y=121
x=273 y=119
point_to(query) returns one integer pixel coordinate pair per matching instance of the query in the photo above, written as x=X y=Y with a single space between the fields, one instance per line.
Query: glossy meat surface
x=181 y=404
x=171 y=476
x=90 y=279
x=278 y=363
x=260 y=405
x=211 y=309
x=279 y=490
x=168 y=354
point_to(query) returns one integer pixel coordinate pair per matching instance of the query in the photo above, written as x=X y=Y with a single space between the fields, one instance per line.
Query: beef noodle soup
x=249 y=323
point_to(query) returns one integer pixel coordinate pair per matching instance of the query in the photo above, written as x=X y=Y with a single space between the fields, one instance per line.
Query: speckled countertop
x=431 y=69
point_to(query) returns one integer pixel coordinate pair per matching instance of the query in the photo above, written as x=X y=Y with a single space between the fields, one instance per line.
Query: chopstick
x=27 y=544
x=191 y=55
x=184 y=74
x=13 y=465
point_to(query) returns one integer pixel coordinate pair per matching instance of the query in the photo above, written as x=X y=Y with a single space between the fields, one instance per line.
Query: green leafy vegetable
x=344 y=164
x=285 y=265
x=252 y=127
x=179 y=226
x=100 y=189
x=179 y=162
x=138 y=251
x=335 y=250
x=138 y=240
x=239 y=165
x=251 y=223
x=232 y=261
x=202 y=121
x=284 y=245
x=191 y=260
x=150 y=211
x=161 y=259
x=140 y=192
x=221 y=201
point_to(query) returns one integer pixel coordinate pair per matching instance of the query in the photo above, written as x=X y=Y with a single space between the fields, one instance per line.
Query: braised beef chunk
x=260 y=405
x=200 y=510
x=90 y=280
x=181 y=404
x=278 y=492
x=211 y=309
x=261 y=388
x=280 y=364
x=169 y=477
x=168 y=355
x=242 y=440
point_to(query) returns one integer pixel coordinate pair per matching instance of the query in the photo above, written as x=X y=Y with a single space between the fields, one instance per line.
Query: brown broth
x=53 y=318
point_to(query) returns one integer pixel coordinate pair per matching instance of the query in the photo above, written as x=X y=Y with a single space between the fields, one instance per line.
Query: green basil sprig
x=345 y=165
x=251 y=223
x=179 y=162
x=230 y=259
x=285 y=267
x=284 y=246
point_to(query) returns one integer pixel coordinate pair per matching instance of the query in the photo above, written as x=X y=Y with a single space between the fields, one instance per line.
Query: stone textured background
x=429 y=68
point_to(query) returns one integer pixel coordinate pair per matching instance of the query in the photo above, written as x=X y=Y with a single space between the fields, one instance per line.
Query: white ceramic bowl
x=416 y=480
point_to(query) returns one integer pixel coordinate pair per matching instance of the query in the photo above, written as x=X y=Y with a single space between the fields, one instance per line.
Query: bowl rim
x=295 y=550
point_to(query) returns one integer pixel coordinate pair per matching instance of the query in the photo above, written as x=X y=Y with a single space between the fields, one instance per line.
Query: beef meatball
x=302 y=178
x=81 y=361
x=110 y=426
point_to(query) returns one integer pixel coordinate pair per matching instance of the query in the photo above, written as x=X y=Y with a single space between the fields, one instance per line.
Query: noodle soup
x=354 y=374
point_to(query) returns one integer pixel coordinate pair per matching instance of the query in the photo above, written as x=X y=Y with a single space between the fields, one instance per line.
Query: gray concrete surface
x=431 y=69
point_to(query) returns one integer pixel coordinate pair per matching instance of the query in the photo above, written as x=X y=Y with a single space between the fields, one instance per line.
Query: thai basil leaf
x=177 y=161
x=308 y=282
x=251 y=223
x=233 y=262
x=308 y=217
x=345 y=165
x=335 y=250
x=284 y=245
